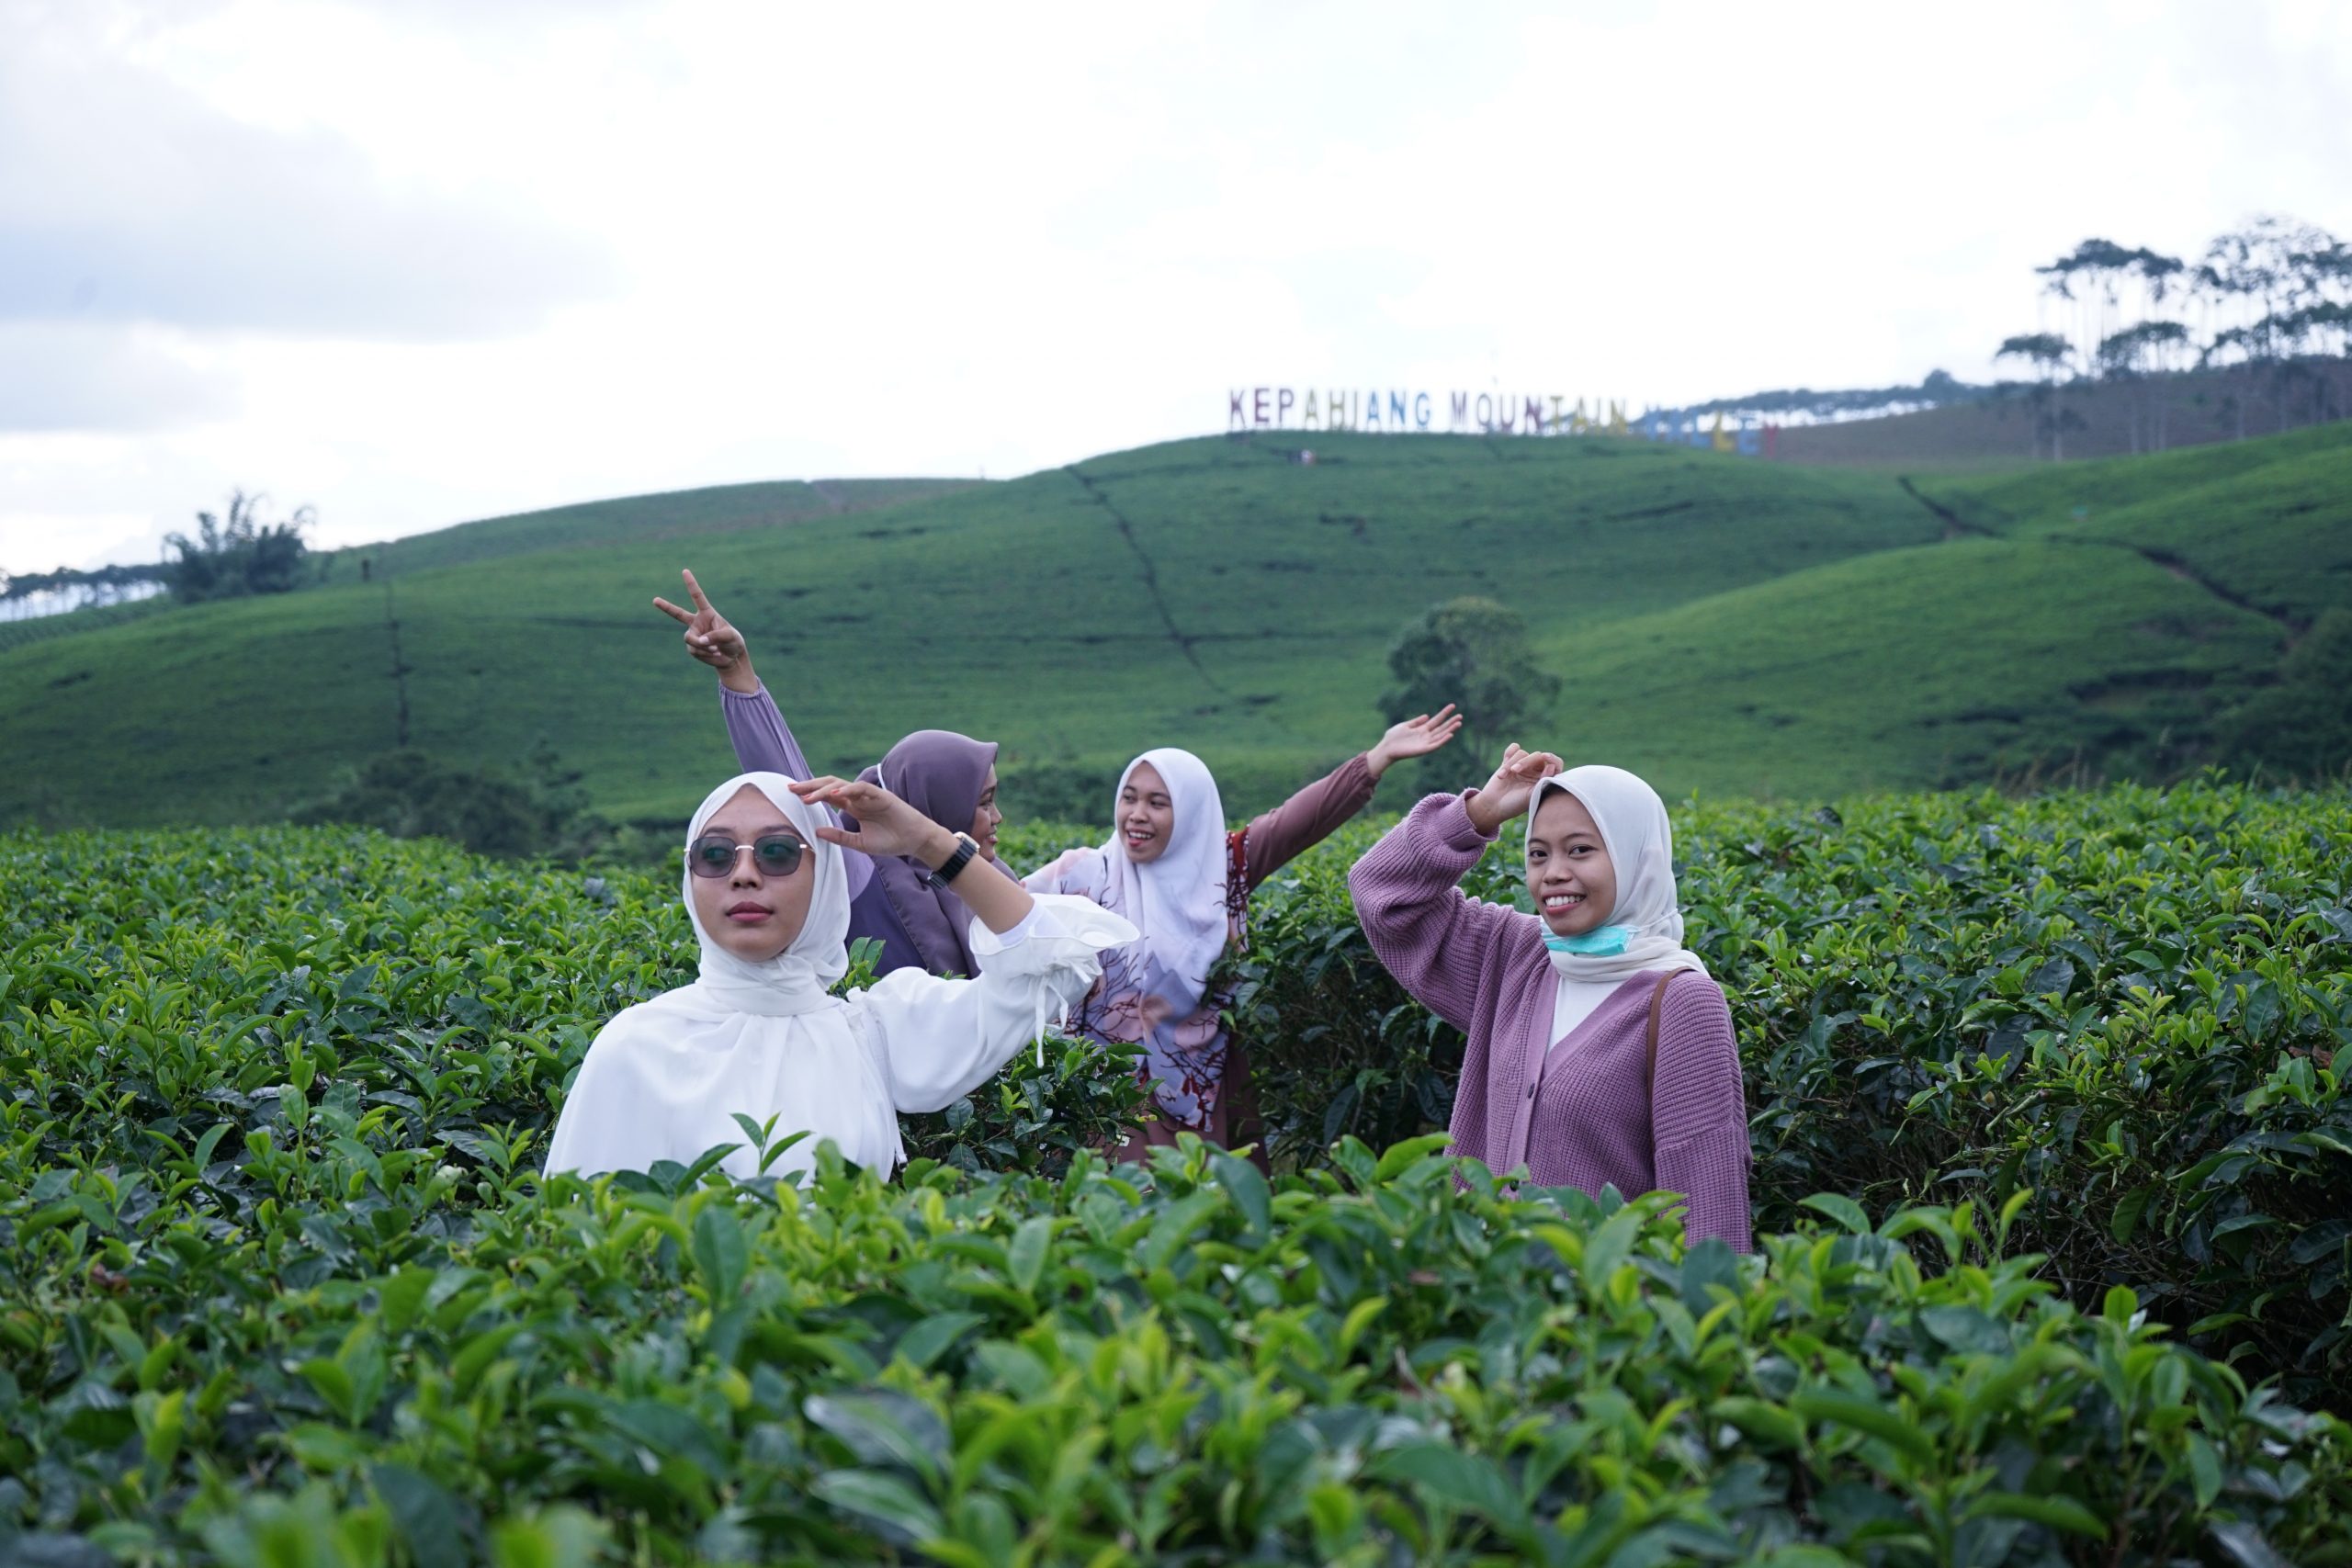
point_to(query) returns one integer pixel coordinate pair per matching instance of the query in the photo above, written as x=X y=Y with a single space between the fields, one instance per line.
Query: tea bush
x=2129 y=1001
x=279 y=1282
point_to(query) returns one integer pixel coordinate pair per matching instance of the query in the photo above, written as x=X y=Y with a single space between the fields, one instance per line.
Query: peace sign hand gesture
x=712 y=638
x=1506 y=795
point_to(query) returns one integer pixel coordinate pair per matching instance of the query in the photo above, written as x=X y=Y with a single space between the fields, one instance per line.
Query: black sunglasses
x=772 y=855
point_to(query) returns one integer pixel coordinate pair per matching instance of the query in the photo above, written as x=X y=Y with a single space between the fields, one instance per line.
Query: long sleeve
x=1054 y=876
x=1699 y=1112
x=1435 y=938
x=764 y=744
x=1306 y=818
x=936 y=1039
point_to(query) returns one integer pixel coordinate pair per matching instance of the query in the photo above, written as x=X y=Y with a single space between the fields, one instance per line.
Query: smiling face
x=1146 y=815
x=1569 y=874
x=988 y=818
x=751 y=916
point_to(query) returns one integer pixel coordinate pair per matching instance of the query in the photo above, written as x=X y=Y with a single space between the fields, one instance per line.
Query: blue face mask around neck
x=1601 y=942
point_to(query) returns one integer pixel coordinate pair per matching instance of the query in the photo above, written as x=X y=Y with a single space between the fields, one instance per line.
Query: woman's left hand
x=886 y=825
x=1413 y=738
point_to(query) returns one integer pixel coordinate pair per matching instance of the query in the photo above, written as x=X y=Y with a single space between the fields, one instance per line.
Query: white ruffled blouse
x=664 y=1079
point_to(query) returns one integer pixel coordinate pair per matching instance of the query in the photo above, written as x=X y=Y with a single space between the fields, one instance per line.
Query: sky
x=413 y=262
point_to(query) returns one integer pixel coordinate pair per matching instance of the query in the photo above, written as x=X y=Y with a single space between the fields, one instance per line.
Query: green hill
x=1724 y=625
x=718 y=509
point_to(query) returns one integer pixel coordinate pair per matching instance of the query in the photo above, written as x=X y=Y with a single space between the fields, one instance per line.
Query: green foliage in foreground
x=280 y=1284
x=2129 y=1002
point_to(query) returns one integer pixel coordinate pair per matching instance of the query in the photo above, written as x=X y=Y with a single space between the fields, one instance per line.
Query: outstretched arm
x=1308 y=817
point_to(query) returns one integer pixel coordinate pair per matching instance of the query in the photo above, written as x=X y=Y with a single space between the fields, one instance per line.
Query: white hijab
x=1640 y=842
x=1176 y=901
x=799 y=980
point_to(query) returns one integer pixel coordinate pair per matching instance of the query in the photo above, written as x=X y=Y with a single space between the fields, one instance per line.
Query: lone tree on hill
x=1473 y=653
x=242 y=555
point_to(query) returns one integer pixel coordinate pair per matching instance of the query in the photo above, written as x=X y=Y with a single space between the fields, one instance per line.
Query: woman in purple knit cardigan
x=1559 y=1077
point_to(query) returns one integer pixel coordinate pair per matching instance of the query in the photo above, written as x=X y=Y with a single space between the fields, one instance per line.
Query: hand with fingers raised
x=1506 y=795
x=712 y=639
x=1416 y=736
x=888 y=825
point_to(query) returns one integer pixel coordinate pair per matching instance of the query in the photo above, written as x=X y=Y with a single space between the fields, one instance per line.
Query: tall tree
x=1472 y=652
x=240 y=555
x=2048 y=352
x=2137 y=354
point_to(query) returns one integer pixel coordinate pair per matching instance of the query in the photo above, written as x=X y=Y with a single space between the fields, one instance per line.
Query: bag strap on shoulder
x=1657 y=1007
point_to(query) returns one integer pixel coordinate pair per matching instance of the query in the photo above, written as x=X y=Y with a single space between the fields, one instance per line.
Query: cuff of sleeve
x=730 y=694
x=1453 y=821
x=1058 y=926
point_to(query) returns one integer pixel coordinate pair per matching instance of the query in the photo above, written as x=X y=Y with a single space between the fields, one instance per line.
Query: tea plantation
x=1809 y=631
x=2051 y=1165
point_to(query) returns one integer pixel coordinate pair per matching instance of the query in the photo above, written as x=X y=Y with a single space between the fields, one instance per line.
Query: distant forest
x=2266 y=314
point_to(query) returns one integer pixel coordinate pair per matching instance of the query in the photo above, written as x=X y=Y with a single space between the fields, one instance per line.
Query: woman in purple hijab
x=948 y=777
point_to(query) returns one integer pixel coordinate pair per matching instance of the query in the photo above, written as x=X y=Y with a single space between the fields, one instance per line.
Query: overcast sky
x=418 y=261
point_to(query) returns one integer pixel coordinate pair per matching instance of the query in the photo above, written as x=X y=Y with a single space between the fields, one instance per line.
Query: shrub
x=412 y=794
x=2300 y=728
x=279 y=1282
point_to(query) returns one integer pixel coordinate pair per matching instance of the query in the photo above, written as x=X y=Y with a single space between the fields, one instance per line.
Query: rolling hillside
x=1724 y=625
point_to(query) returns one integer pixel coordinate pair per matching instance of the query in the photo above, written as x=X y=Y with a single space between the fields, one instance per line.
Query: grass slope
x=2104 y=611
x=1211 y=593
x=718 y=509
x=1724 y=625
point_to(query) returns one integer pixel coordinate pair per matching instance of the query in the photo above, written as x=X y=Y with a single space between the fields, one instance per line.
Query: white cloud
x=562 y=252
x=125 y=197
x=66 y=376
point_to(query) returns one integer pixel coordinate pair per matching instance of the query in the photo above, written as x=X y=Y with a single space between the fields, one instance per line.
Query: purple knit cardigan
x=1573 y=1112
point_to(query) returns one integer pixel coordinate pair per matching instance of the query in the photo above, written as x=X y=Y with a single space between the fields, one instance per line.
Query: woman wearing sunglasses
x=759 y=1036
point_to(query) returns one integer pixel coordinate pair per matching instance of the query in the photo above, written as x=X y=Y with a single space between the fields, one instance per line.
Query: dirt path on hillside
x=1955 y=526
x=1150 y=578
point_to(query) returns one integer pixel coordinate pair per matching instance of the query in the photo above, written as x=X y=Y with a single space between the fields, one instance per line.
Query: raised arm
x=1437 y=941
x=763 y=742
x=1308 y=817
x=1425 y=931
x=755 y=726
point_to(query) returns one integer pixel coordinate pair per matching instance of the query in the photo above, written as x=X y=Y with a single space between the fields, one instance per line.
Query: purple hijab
x=943 y=775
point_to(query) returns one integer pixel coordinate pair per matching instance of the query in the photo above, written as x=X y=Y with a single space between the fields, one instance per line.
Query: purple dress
x=1584 y=1111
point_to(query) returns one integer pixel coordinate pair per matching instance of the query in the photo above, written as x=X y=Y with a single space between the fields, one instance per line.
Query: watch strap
x=965 y=852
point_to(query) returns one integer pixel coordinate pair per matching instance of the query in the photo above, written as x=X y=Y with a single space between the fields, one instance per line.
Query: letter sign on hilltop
x=1394 y=411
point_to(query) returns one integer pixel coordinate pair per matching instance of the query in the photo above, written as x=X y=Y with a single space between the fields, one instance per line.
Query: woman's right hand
x=1506 y=795
x=712 y=639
